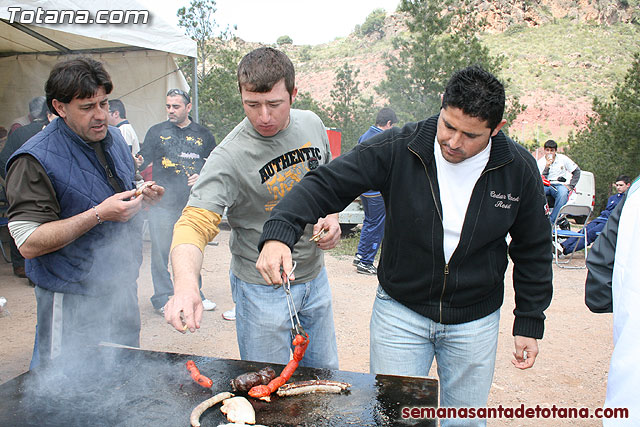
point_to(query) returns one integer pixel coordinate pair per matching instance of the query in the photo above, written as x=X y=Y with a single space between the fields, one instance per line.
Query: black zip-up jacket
x=507 y=198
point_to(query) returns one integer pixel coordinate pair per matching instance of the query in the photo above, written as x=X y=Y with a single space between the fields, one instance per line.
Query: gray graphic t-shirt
x=249 y=174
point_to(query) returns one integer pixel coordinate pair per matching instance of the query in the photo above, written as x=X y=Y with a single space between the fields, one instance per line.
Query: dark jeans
x=372 y=228
x=67 y=322
x=161 y=222
x=574 y=244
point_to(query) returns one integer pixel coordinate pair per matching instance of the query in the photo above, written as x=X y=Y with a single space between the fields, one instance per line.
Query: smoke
x=111 y=387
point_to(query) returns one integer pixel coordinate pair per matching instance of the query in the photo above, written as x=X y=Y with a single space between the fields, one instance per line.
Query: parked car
x=584 y=194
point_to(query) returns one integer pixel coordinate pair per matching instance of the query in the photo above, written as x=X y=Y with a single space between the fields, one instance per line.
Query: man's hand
x=274 y=254
x=118 y=207
x=152 y=194
x=54 y=235
x=332 y=226
x=526 y=352
x=550 y=158
x=138 y=160
x=184 y=310
x=191 y=179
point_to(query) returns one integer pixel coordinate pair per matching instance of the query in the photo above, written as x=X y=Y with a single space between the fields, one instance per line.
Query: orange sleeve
x=196 y=226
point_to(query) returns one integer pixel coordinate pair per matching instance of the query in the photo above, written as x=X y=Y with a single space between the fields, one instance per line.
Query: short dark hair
x=386 y=115
x=477 y=93
x=262 y=68
x=117 y=105
x=76 y=78
x=624 y=178
x=38 y=108
x=551 y=144
x=185 y=96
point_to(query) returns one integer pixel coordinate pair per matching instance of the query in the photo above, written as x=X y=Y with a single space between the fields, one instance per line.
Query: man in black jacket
x=177 y=148
x=454 y=187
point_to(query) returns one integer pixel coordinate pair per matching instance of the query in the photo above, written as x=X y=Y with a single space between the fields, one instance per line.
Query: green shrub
x=373 y=23
x=282 y=40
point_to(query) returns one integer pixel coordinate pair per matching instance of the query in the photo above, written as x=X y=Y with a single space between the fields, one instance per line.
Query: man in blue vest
x=73 y=214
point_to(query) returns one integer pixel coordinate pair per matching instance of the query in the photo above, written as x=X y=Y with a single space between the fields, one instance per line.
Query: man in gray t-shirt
x=250 y=171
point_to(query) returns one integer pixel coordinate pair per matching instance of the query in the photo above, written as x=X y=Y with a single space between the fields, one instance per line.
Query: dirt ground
x=571 y=370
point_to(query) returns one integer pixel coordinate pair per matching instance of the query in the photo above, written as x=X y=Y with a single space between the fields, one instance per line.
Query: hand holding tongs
x=296 y=327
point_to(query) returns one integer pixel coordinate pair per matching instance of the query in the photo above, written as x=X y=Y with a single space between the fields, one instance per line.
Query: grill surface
x=125 y=387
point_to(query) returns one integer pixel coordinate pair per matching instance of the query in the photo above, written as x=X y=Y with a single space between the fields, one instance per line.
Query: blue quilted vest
x=107 y=255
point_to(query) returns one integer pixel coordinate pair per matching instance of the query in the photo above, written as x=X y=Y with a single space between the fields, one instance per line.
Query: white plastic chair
x=581 y=233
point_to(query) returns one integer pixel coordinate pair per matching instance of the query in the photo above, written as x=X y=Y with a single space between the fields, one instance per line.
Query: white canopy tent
x=141 y=58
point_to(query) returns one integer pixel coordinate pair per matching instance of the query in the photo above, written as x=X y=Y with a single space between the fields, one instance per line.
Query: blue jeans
x=263 y=325
x=161 y=222
x=560 y=195
x=574 y=244
x=404 y=343
x=372 y=228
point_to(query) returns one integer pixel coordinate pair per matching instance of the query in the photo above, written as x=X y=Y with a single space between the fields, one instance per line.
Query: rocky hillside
x=503 y=14
x=559 y=54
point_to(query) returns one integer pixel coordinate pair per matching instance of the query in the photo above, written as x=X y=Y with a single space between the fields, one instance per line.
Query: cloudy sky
x=305 y=21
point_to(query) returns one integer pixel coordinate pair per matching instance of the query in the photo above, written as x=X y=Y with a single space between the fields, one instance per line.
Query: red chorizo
x=262 y=391
x=197 y=376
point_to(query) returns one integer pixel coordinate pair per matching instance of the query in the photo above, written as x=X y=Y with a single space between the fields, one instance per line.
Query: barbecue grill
x=109 y=386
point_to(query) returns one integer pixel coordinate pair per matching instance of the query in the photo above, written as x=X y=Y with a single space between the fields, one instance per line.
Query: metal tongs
x=296 y=327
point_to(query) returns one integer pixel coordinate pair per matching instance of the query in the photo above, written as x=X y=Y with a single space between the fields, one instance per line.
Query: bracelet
x=97 y=216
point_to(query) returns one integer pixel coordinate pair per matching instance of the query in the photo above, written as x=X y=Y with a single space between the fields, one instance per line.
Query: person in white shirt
x=118 y=117
x=556 y=168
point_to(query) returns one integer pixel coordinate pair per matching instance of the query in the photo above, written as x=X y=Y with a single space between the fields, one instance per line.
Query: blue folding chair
x=580 y=233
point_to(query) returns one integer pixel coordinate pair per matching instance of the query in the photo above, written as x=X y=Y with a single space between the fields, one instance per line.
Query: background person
x=373 y=205
x=73 y=218
x=556 y=167
x=118 y=118
x=266 y=155
x=574 y=244
x=177 y=148
x=38 y=112
x=453 y=186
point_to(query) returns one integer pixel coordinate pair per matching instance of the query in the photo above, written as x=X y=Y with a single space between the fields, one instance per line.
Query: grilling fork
x=296 y=327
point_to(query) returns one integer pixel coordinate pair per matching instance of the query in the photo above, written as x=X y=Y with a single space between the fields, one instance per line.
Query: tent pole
x=195 y=90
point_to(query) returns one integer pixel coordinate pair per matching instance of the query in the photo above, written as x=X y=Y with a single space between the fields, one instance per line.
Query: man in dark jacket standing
x=38 y=112
x=454 y=187
x=373 y=205
x=73 y=215
x=178 y=149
